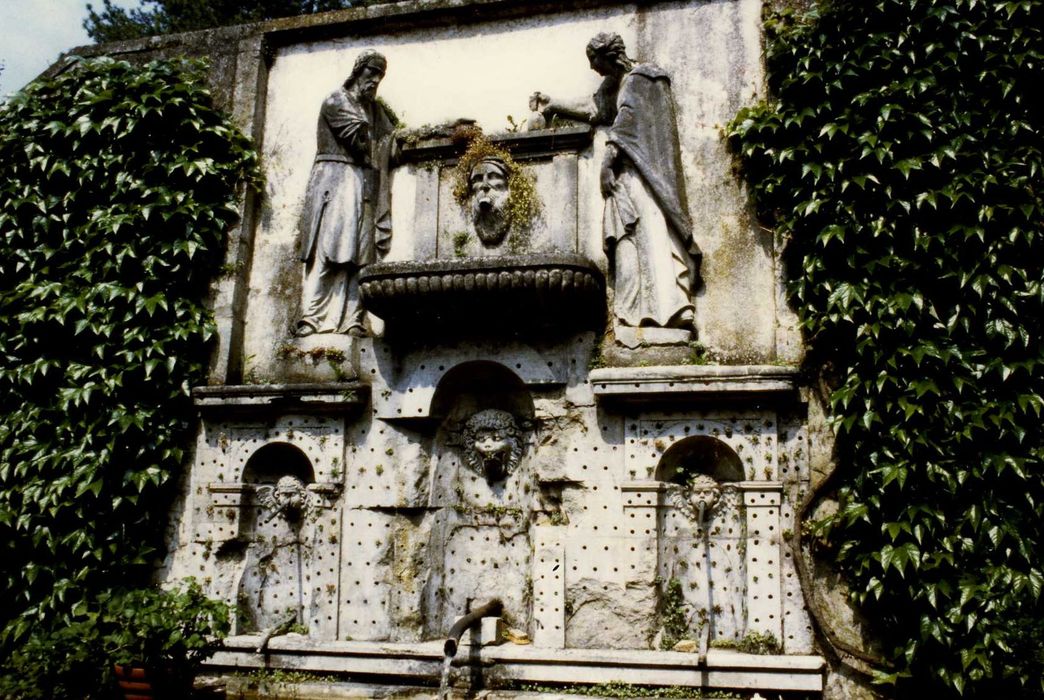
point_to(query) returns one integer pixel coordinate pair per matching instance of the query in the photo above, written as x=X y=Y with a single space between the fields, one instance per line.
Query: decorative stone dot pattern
x=322 y=578
x=587 y=578
x=764 y=585
x=222 y=509
x=230 y=446
x=384 y=462
x=797 y=623
x=795 y=474
x=752 y=436
x=225 y=449
x=366 y=553
x=289 y=569
x=404 y=386
x=612 y=558
x=710 y=562
x=549 y=572
x=793 y=453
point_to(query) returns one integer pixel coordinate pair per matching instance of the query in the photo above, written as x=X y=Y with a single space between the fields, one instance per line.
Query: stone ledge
x=528 y=664
x=693 y=381
x=339 y=397
x=560 y=291
x=523 y=145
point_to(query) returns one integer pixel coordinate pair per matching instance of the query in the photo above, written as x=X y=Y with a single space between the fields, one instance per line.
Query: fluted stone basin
x=556 y=291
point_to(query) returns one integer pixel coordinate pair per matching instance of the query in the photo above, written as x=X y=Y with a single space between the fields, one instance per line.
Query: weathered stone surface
x=610 y=616
x=686 y=646
x=490 y=296
x=580 y=523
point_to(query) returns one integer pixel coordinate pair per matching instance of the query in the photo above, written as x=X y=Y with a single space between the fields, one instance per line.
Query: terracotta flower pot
x=139 y=683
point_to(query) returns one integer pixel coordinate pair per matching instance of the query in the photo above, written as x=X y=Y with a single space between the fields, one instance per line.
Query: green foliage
x=619 y=689
x=65 y=662
x=172 y=630
x=460 y=243
x=119 y=184
x=901 y=159
x=113 y=23
x=168 y=631
x=763 y=643
x=674 y=619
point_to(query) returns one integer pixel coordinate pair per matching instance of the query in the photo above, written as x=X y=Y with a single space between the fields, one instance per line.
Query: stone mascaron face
x=489 y=195
x=491 y=444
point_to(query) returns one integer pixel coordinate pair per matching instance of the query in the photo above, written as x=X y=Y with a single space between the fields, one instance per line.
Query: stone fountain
x=423 y=399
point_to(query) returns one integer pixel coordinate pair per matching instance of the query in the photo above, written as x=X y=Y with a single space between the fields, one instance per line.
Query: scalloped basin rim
x=491 y=264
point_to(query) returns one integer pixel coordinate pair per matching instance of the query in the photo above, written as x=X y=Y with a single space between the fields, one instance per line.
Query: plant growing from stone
x=523 y=206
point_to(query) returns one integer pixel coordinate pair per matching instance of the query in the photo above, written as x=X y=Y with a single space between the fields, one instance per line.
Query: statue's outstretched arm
x=583 y=111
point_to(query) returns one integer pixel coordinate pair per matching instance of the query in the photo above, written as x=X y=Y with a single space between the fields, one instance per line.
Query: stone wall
x=497 y=436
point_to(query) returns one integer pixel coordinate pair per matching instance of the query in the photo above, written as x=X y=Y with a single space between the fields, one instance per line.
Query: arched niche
x=279 y=543
x=702 y=537
x=479 y=385
x=266 y=467
x=275 y=460
x=699 y=454
x=479 y=542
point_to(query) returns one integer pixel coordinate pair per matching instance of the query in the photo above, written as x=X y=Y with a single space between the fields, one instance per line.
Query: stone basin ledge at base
x=421 y=663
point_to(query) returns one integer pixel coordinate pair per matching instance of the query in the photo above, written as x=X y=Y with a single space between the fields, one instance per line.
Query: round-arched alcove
x=699 y=454
x=702 y=537
x=277 y=540
x=483 y=486
x=479 y=385
x=275 y=460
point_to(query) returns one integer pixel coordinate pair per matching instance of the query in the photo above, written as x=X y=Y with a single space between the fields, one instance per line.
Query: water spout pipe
x=277 y=630
x=705 y=632
x=490 y=609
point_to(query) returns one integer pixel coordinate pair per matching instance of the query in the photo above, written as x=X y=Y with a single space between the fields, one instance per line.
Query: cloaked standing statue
x=347 y=215
x=646 y=225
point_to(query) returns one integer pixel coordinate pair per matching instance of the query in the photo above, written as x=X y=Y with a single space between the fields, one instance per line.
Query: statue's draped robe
x=347 y=215
x=646 y=223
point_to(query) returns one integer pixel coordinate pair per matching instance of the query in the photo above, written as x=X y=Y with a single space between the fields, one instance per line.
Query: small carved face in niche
x=491 y=443
x=489 y=196
x=289 y=498
x=703 y=494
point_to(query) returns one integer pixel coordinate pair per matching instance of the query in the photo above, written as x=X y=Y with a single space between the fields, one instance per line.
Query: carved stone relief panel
x=475 y=232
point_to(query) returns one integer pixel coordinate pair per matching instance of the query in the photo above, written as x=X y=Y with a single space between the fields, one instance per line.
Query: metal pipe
x=277 y=630
x=490 y=609
x=704 y=641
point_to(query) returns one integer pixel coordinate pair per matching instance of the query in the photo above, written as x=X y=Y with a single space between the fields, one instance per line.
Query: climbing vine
x=119 y=184
x=901 y=158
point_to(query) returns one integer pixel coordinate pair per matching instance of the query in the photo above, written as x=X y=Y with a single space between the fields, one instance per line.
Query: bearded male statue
x=488 y=184
x=346 y=219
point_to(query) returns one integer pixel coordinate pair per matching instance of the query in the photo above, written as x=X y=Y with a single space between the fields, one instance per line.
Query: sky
x=33 y=33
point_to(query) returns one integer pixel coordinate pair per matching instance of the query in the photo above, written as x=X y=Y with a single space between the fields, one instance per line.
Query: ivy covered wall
x=119 y=185
x=901 y=157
